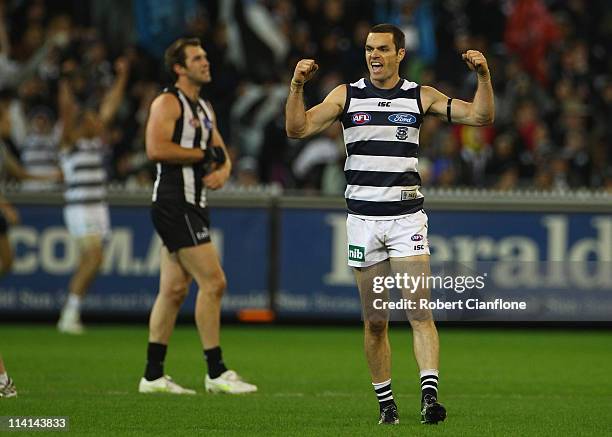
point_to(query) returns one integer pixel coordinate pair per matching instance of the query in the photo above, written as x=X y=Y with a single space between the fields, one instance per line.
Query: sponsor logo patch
x=356 y=253
x=194 y=123
x=402 y=118
x=361 y=118
x=416 y=237
x=409 y=194
x=402 y=133
x=203 y=234
x=419 y=247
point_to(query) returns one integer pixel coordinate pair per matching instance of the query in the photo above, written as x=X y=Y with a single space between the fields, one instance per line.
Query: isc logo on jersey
x=402 y=118
x=361 y=118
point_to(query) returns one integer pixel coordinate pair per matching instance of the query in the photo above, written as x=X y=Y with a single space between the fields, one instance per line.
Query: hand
x=122 y=65
x=304 y=70
x=217 y=178
x=10 y=214
x=476 y=62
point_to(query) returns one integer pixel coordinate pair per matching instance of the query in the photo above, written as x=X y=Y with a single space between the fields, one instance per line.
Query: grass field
x=314 y=381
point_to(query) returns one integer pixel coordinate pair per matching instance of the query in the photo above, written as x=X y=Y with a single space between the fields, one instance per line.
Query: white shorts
x=85 y=220
x=373 y=241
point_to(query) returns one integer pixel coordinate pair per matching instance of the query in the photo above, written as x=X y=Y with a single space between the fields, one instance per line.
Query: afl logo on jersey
x=361 y=118
x=195 y=123
x=402 y=118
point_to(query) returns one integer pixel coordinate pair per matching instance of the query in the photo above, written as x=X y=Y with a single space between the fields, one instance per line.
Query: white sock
x=73 y=302
x=3 y=378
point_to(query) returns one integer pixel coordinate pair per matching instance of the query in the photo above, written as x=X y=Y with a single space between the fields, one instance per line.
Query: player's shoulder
x=167 y=103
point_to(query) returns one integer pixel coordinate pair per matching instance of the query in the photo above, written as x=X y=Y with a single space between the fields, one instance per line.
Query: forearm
x=295 y=112
x=113 y=98
x=483 y=105
x=172 y=153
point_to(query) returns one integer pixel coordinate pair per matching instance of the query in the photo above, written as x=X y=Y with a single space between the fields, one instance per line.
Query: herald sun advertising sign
x=559 y=260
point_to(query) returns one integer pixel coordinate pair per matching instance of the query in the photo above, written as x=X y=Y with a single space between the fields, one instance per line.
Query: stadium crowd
x=549 y=62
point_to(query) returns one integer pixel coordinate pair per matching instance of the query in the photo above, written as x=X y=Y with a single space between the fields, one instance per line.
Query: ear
x=400 y=54
x=178 y=68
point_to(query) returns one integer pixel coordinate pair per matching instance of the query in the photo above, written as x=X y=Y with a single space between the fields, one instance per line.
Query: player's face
x=197 y=65
x=381 y=56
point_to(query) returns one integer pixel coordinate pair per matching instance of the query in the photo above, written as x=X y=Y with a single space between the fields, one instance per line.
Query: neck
x=190 y=89
x=386 y=84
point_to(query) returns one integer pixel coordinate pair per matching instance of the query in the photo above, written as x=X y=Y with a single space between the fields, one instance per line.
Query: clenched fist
x=304 y=70
x=476 y=62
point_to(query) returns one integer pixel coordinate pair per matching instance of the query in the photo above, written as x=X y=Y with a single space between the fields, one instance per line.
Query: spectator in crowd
x=553 y=83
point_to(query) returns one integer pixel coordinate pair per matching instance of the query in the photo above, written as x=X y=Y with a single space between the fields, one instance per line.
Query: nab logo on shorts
x=361 y=118
x=417 y=237
x=356 y=253
x=402 y=118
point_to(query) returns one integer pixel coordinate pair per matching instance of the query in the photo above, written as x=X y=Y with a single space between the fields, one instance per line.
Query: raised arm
x=165 y=110
x=112 y=98
x=479 y=112
x=68 y=110
x=300 y=123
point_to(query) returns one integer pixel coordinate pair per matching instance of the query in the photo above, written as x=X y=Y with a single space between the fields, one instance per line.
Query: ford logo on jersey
x=402 y=118
x=416 y=237
x=361 y=118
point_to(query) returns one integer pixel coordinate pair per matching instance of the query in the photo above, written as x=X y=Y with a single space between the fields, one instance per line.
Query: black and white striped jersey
x=176 y=182
x=84 y=172
x=39 y=156
x=381 y=134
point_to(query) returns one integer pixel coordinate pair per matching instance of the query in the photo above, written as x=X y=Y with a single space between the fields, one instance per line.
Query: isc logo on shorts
x=356 y=253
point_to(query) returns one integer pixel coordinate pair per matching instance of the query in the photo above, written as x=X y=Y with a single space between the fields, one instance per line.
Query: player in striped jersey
x=183 y=139
x=82 y=161
x=386 y=224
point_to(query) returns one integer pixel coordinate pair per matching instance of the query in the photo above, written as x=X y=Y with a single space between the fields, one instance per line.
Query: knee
x=218 y=285
x=215 y=286
x=177 y=292
x=422 y=323
x=376 y=328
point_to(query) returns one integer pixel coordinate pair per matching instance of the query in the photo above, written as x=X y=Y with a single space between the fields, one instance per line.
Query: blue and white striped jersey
x=381 y=134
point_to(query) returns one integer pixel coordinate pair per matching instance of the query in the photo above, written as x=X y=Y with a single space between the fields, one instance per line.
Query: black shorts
x=180 y=224
x=3 y=224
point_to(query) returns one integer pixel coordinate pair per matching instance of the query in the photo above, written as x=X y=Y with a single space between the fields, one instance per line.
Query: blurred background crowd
x=550 y=64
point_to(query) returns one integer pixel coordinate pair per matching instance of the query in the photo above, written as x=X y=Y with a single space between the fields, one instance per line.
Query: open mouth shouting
x=377 y=66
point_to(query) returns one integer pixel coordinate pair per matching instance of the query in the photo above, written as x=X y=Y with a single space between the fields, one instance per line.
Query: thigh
x=6 y=252
x=370 y=281
x=201 y=262
x=172 y=275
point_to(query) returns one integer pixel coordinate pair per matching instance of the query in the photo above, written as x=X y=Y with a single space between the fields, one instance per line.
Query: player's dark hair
x=175 y=54
x=399 y=39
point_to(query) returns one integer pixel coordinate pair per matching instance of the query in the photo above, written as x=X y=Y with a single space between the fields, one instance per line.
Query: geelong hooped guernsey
x=193 y=129
x=381 y=134
x=84 y=172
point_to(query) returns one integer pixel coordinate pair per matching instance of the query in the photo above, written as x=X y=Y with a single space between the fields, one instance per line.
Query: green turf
x=314 y=381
